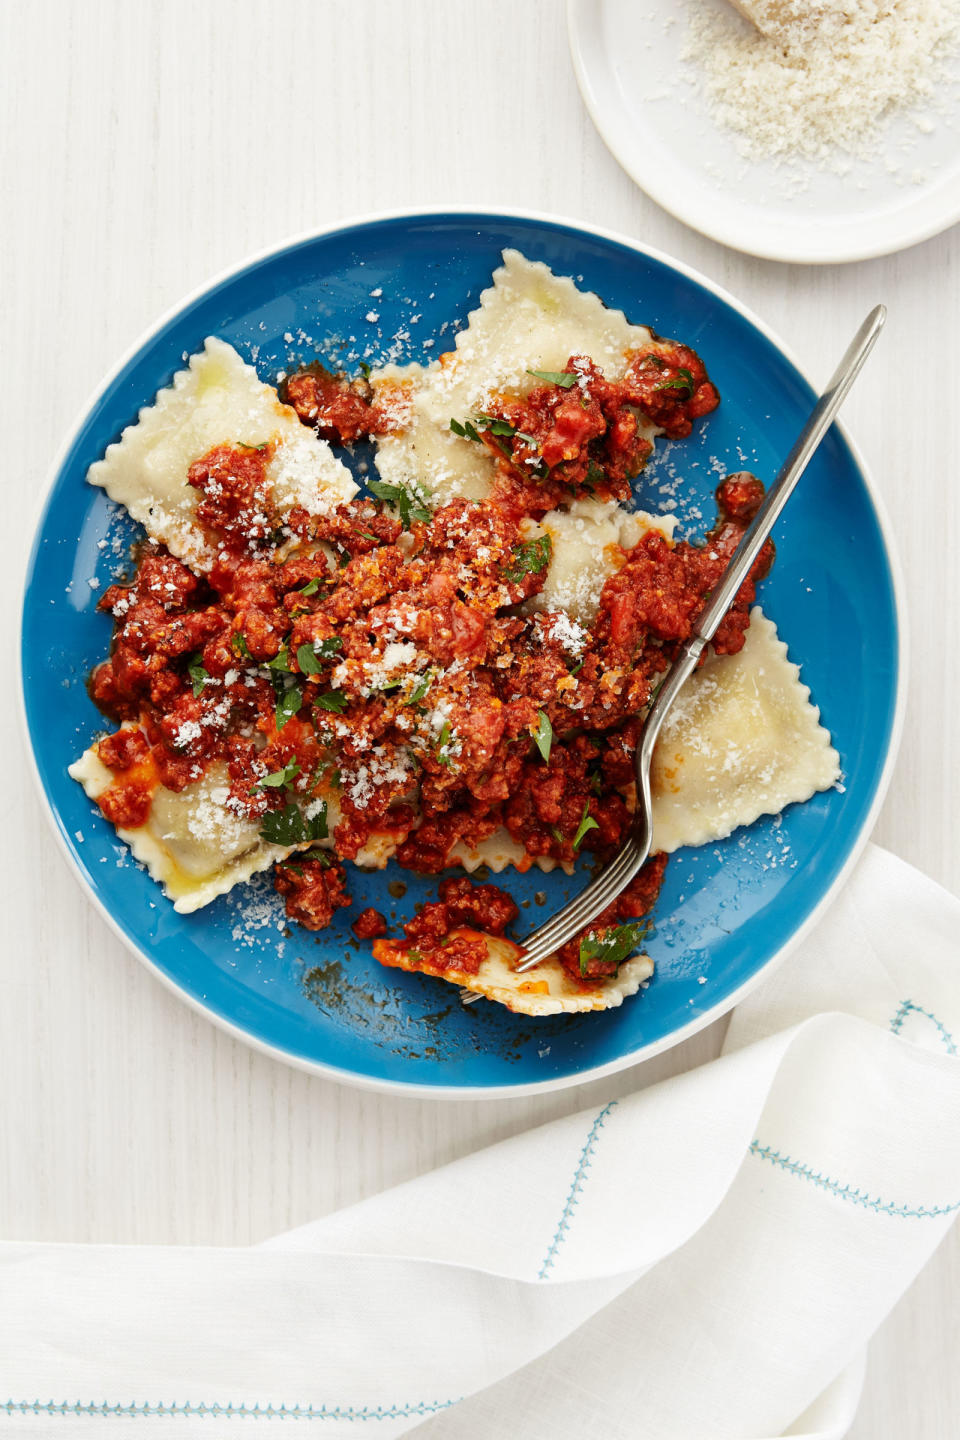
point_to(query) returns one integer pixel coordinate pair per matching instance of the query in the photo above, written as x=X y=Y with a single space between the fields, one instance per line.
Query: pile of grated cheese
x=824 y=75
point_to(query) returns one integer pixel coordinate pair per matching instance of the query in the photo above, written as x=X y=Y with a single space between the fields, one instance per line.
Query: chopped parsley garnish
x=529 y=558
x=587 y=823
x=197 y=674
x=238 y=643
x=595 y=475
x=288 y=704
x=365 y=369
x=319 y=857
x=684 y=381
x=408 y=505
x=564 y=378
x=280 y=661
x=654 y=359
x=495 y=426
x=466 y=430
x=421 y=688
x=290 y=826
x=543 y=735
x=311 y=587
x=557 y=834
x=614 y=946
x=308 y=660
x=444 y=743
x=252 y=447
x=277 y=779
x=317 y=775
x=335 y=700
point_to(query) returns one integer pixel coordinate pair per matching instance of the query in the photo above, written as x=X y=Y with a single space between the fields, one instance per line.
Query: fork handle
x=821 y=418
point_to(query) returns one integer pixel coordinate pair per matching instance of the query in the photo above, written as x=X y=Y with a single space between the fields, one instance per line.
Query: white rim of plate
x=700 y=1022
x=832 y=246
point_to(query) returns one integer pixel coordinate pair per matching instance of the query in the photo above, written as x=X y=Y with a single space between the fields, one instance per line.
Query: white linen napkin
x=703 y=1260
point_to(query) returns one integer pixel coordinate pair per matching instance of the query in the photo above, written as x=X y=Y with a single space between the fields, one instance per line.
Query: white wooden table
x=150 y=143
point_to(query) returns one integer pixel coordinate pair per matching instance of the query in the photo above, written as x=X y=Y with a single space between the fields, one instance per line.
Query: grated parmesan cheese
x=823 y=75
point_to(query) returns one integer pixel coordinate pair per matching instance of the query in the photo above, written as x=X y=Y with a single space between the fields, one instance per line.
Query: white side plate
x=627 y=59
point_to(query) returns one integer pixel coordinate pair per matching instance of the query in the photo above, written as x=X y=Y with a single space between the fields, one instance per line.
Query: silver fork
x=632 y=855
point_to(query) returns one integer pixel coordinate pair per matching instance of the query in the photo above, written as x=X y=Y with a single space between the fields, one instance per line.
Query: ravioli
x=528 y=319
x=498 y=852
x=218 y=399
x=742 y=740
x=587 y=541
x=546 y=989
x=198 y=848
x=191 y=843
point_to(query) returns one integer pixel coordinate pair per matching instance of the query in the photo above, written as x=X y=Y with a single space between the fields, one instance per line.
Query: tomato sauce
x=385 y=661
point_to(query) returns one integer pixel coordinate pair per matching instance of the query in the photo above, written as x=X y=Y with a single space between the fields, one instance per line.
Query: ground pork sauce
x=386 y=655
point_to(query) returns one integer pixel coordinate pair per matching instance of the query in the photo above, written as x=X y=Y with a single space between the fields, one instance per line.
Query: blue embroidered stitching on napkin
x=225 y=1412
x=906 y=1007
x=573 y=1198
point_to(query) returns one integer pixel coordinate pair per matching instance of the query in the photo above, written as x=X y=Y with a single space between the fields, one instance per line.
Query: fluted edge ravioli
x=546 y=989
x=218 y=399
x=743 y=740
x=528 y=319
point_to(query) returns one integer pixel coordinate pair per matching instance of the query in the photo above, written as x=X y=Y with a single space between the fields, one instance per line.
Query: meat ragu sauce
x=392 y=658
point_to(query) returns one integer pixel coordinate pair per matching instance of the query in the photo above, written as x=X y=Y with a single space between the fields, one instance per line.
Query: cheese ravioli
x=545 y=989
x=528 y=319
x=217 y=400
x=743 y=739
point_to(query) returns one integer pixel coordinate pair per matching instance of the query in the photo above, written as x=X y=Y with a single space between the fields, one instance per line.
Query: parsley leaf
x=319 y=857
x=238 y=644
x=543 y=736
x=443 y=744
x=311 y=587
x=529 y=558
x=197 y=674
x=252 y=447
x=563 y=378
x=288 y=704
x=336 y=700
x=408 y=504
x=684 y=381
x=421 y=688
x=307 y=659
x=277 y=779
x=365 y=369
x=280 y=661
x=587 y=823
x=458 y=429
x=614 y=946
x=290 y=826
x=495 y=426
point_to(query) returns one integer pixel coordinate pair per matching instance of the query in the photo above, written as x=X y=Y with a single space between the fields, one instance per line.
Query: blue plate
x=726 y=911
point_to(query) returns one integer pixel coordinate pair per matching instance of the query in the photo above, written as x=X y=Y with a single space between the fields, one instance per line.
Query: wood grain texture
x=150 y=144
